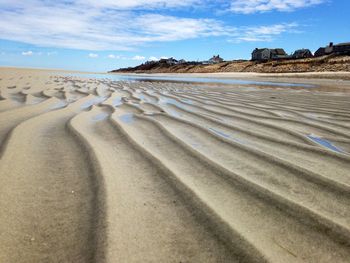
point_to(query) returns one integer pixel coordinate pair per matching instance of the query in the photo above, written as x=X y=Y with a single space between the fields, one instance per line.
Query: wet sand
x=114 y=171
x=325 y=81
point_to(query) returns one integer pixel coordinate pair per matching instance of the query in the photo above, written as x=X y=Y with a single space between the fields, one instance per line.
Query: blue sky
x=100 y=35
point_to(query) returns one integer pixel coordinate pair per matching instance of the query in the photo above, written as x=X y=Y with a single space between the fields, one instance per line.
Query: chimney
x=331 y=44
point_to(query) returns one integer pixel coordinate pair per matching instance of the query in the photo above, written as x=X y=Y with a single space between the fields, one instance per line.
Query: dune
x=95 y=170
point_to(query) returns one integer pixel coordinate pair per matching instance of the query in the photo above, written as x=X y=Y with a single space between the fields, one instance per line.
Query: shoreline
x=322 y=79
x=325 y=81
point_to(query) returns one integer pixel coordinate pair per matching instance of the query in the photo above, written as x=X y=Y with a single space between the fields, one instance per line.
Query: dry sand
x=103 y=171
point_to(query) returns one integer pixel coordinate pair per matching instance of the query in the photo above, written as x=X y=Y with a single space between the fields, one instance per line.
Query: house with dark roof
x=278 y=53
x=259 y=54
x=169 y=61
x=338 y=49
x=262 y=54
x=302 y=53
x=214 y=60
x=341 y=49
x=320 y=52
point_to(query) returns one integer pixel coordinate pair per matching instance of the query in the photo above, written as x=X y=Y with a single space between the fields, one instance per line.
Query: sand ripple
x=103 y=171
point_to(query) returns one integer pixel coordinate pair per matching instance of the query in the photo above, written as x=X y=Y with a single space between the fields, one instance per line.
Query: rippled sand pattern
x=102 y=171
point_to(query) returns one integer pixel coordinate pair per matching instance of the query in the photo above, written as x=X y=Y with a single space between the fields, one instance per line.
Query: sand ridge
x=94 y=170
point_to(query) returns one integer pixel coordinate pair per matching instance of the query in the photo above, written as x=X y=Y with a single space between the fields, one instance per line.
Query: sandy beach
x=94 y=170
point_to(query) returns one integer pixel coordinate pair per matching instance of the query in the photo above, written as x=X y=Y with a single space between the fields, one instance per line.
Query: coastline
x=328 y=63
x=339 y=80
x=327 y=81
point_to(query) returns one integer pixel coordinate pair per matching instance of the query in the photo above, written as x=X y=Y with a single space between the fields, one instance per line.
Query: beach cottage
x=341 y=49
x=338 y=49
x=302 y=53
x=215 y=60
x=320 y=52
x=169 y=61
x=262 y=54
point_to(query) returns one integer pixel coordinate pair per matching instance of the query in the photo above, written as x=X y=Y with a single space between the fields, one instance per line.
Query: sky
x=101 y=35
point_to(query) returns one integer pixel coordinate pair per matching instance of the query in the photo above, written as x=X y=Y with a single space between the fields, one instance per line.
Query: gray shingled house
x=215 y=59
x=169 y=61
x=339 y=49
x=320 y=52
x=302 y=53
x=261 y=54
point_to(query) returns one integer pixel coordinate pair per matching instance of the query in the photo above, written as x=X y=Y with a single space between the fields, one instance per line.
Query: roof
x=343 y=44
x=303 y=50
x=259 y=49
x=279 y=51
x=215 y=58
x=167 y=59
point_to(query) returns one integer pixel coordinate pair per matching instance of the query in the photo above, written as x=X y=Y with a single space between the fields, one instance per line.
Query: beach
x=95 y=170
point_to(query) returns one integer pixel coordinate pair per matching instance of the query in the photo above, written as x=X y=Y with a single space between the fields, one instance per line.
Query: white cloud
x=256 y=6
x=105 y=24
x=138 y=58
x=139 y=4
x=112 y=56
x=27 y=53
x=263 y=33
x=93 y=55
x=97 y=25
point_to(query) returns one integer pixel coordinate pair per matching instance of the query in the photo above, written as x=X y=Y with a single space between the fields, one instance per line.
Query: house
x=261 y=54
x=302 y=53
x=338 y=49
x=278 y=53
x=181 y=61
x=342 y=49
x=329 y=49
x=320 y=52
x=215 y=60
x=169 y=61
x=150 y=62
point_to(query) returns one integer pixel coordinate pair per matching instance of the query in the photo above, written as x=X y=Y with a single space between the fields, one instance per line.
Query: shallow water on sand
x=121 y=77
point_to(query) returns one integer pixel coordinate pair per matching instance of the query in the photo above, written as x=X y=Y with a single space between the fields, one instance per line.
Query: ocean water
x=121 y=77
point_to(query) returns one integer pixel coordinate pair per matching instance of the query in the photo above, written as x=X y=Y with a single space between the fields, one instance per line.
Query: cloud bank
x=259 y=6
x=27 y=53
x=127 y=24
